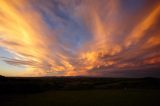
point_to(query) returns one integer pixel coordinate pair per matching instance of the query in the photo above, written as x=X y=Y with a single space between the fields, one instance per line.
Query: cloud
x=80 y=37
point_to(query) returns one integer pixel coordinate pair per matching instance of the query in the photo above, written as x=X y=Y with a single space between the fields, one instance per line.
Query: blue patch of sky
x=4 y=67
x=75 y=34
x=5 y=53
x=132 y=5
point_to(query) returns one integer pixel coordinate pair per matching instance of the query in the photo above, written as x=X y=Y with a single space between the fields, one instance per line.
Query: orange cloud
x=112 y=42
x=140 y=30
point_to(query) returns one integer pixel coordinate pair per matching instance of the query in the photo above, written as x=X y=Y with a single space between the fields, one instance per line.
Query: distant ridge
x=1 y=76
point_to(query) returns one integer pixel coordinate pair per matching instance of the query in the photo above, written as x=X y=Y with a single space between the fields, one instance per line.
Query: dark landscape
x=79 y=91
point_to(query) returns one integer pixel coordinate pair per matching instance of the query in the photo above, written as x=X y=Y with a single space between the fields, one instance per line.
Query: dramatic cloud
x=81 y=37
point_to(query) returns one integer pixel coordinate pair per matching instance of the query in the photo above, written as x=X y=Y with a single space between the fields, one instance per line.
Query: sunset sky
x=108 y=38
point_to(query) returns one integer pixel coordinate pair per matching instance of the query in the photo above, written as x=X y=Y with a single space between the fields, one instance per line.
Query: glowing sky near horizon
x=110 y=38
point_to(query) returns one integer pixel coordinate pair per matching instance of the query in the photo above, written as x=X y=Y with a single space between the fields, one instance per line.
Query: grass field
x=79 y=91
x=85 y=98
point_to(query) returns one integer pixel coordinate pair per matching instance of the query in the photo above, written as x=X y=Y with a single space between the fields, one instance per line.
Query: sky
x=104 y=38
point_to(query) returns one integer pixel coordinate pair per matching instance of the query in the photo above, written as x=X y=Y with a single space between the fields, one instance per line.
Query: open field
x=86 y=98
x=79 y=91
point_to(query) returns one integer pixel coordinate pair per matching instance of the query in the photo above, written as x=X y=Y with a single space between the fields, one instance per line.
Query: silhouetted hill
x=1 y=76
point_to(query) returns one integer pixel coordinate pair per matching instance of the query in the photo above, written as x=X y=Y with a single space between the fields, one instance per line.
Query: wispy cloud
x=80 y=37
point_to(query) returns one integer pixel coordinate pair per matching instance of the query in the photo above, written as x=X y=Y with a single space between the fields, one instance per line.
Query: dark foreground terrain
x=79 y=91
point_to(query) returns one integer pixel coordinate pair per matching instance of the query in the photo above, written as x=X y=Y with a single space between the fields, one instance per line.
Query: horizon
x=81 y=77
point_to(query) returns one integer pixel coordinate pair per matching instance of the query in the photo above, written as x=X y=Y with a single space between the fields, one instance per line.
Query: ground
x=136 y=97
x=79 y=91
